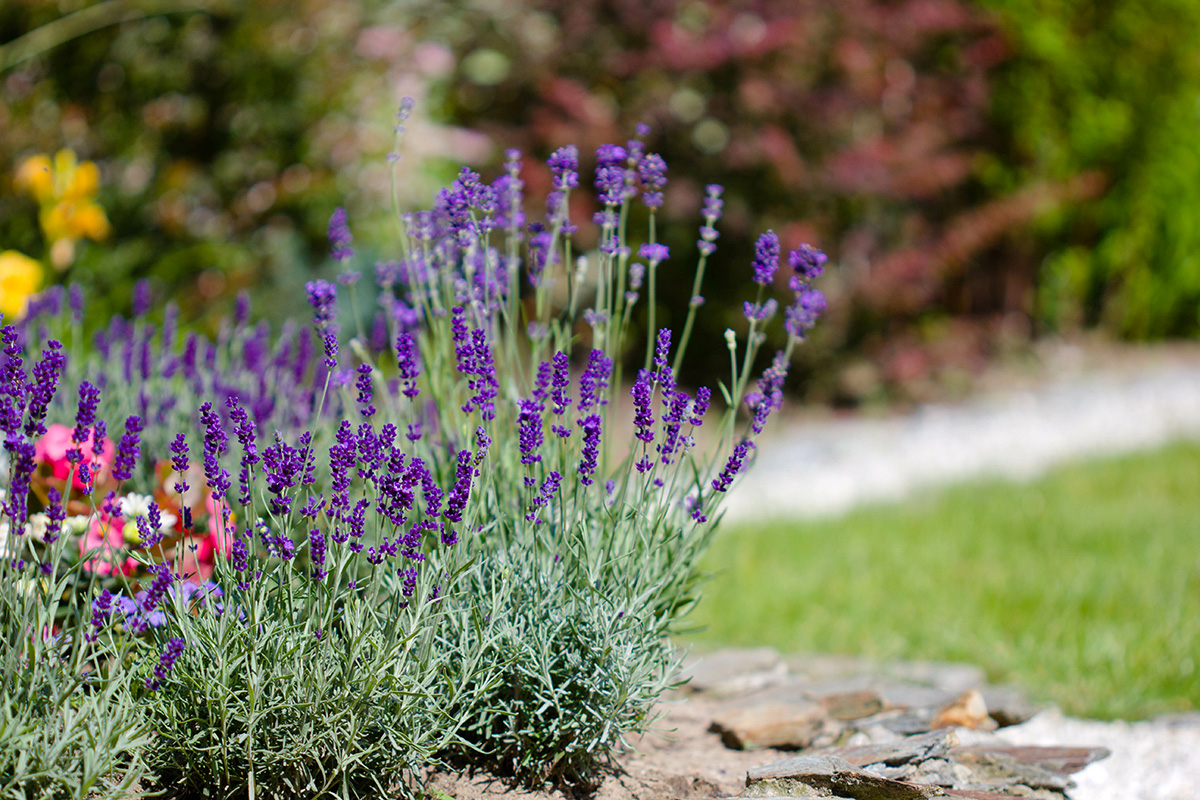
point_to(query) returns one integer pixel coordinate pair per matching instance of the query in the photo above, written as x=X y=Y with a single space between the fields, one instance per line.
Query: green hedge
x=1112 y=87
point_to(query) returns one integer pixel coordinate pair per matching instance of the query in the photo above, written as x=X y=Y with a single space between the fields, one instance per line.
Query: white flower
x=36 y=527
x=133 y=506
x=77 y=524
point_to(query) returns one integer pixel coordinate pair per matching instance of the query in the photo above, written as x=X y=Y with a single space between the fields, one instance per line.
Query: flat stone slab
x=828 y=776
x=731 y=672
x=784 y=725
x=1059 y=760
x=912 y=748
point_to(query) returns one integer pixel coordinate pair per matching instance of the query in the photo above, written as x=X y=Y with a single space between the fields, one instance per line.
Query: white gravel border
x=1151 y=760
x=827 y=467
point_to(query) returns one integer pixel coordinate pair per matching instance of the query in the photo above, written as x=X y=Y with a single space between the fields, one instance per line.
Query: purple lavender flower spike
x=245 y=430
x=672 y=425
x=529 y=430
x=14 y=387
x=662 y=349
x=643 y=417
x=409 y=364
x=102 y=608
x=655 y=253
x=239 y=559
x=594 y=381
x=179 y=461
x=150 y=527
x=85 y=416
x=322 y=296
x=802 y=314
x=241 y=308
x=154 y=595
x=610 y=174
x=21 y=471
x=487 y=388
x=99 y=434
x=46 y=374
x=170 y=655
x=760 y=312
x=560 y=382
x=652 y=169
x=733 y=466
x=549 y=488
x=141 y=298
x=766 y=258
x=216 y=442
x=75 y=300
x=365 y=390
x=339 y=236
x=56 y=512
x=461 y=491
x=317 y=548
x=808 y=262
x=564 y=168
x=700 y=407
x=591 y=425
x=711 y=213
x=770 y=392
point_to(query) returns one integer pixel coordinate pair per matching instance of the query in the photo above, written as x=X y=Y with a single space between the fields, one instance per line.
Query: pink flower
x=105 y=538
x=52 y=449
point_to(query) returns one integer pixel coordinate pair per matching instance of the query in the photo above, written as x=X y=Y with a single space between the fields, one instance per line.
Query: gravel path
x=1151 y=760
x=827 y=467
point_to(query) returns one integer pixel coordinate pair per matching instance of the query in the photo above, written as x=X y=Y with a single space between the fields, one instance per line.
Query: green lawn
x=1083 y=587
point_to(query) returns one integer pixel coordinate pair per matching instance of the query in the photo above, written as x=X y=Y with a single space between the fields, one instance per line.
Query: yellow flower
x=88 y=220
x=34 y=175
x=20 y=277
x=66 y=190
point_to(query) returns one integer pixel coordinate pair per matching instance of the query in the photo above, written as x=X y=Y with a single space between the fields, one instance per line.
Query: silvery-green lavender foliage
x=436 y=541
x=68 y=728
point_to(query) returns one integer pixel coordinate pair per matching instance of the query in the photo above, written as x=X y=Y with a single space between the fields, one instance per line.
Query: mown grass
x=1083 y=587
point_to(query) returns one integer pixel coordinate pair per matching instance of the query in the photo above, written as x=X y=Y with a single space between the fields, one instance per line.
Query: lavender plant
x=68 y=726
x=441 y=538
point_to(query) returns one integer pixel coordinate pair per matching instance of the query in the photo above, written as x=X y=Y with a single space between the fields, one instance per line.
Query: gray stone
x=782 y=724
x=1059 y=760
x=912 y=695
x=824 y=776
x=948 y=676
x=848 y=706
x=912 y=748
x=994 y=769
x=731 y=672
x=818 y=667
x=940 y=772
x=1008 y=705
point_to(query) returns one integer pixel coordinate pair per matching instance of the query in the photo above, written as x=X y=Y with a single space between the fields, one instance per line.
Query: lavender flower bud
x=652 y=169
x=128 y=449
x=46 y=374
x=766 y=258
x=339 y=236
x=808 y=262
x=170 y=655
x=643 y=417
x=179 y=462
x=102 y=608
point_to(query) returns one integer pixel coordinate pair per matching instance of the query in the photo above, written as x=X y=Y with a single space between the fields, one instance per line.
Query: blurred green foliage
x=979 y=171
x=1112 y=87
x=226 y=136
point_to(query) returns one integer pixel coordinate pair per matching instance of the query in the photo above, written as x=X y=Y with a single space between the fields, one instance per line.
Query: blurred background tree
x=981 y=172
